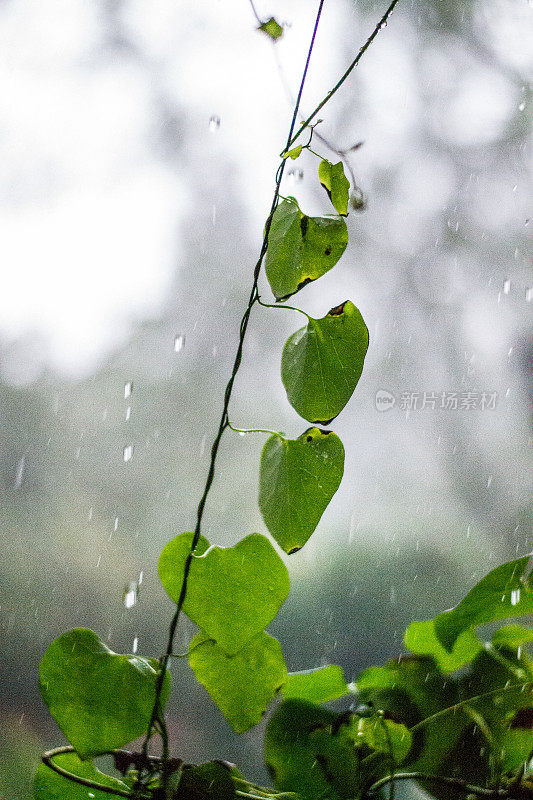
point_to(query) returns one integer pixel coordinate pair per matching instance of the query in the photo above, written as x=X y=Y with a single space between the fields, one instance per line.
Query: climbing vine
x=456 y=715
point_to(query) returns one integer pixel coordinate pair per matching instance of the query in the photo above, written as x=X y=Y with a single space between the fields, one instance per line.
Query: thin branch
x=383 y=21
x=456 y=783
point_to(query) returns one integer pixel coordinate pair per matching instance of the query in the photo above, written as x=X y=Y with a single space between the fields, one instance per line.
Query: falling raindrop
x=135 y=645
x=489 y=482
x=128 y=413
x=214 y=123
x=529 y=294
x=179 y=342
x=506 y=286
x=90 y=514
x=130 y=594
x=19 y=472
x=115 y=525
x=128 y=389
x=521 y=107
x=515 y=597
x=128 y=452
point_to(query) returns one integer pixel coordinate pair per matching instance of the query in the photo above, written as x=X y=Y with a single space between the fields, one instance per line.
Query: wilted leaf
x=336 y=184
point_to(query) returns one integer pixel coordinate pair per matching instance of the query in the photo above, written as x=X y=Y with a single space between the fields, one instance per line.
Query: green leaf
x=512 y=636
x=241 y=685
x=210 y=781
x=508 y=713
x=272 y=29
x=297 y=479
x=501 y=594
x=302 y=755
x=294 y=153
x=99 y=699
x=233 y=592
x=336 y=184
x=301 y=248
x=48 y=785
x=383 y=735
x=322 y=363
x=420 y=638
x=410 y=691
x=316 y=685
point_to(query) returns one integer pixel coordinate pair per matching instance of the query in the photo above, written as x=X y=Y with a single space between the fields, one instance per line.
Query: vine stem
x=383 y=21
x=456 y=783
x=157 y=713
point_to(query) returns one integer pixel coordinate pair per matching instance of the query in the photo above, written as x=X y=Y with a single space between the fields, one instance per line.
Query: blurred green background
x=139 y=144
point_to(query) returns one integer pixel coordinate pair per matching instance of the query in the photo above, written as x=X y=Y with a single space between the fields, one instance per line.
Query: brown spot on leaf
x=327 y=251
x=293 y=550
x=337 y=311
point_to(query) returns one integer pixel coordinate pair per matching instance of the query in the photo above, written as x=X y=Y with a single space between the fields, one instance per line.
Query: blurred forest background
x=138 y=145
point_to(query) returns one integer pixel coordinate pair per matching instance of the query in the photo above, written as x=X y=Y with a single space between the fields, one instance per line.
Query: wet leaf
x=316 y=685
x=383 y=735
x=336 y=184
x=408 y=692
x=507 y=713
x=241 y=685
x=512 y=636
x=302 y=755
x=321 y=364
x=99 y=699
x=272 y=29
x=301 y=248
x=503 y=593
x=233 y=592
x=297 y=479
x=210 y=781
x=48 y=785
x=421 y=639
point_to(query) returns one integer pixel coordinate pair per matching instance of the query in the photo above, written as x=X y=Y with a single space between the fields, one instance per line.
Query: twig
x=360 y=54
x=456 y=783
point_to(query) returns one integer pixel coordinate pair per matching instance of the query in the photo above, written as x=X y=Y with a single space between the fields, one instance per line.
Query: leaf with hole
x=297 y=479
x=242 y=685
x=233 y=593
x=100 y=699
x=321 y=364
x=504 y=593
x=336 y=184
x=49 y=785
x=301 y=248
x=316 y=685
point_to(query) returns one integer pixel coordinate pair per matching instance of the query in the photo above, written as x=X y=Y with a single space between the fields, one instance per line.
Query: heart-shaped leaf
x=49 y=785
x=99 y=699
x=316 y=685
x=233 y=592
x=336 y=184
x=322 y=363
x=502 y=594
x=301 y=248
x=421 y=639
x=297 y=479
x=241 y=685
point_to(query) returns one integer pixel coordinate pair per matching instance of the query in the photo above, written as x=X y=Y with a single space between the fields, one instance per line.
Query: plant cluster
x=456 y=715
